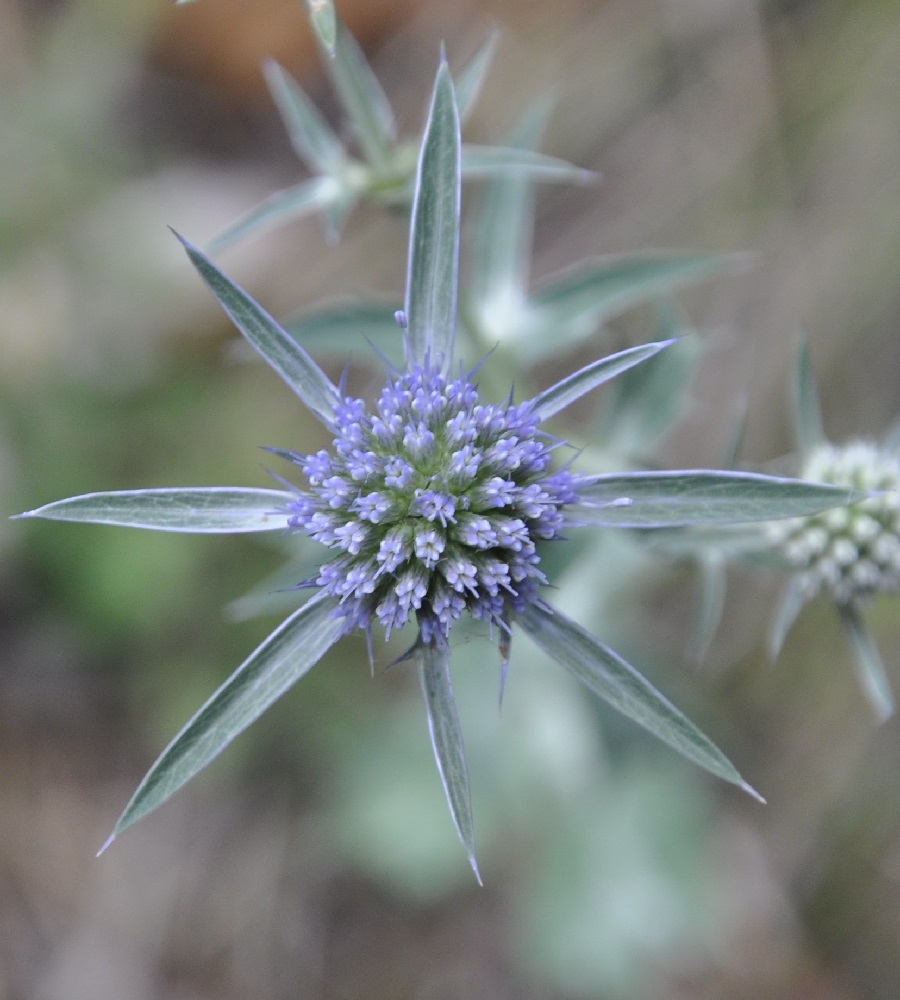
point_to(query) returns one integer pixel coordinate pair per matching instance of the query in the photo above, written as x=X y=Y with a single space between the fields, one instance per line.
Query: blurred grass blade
x=614 y=680
x=872 y=675
x=313 y=139
x=574 y=386
x=323 y=18
x=362 y=98
x=736 y=439
x=713 y=578
x=434 y=235
x=892 y=438
x=504 y=222
x=495 y=161
x=807 y=413
x=278 y=592
x=270 y=670
x=205 y=510
x=470 y=78
x=447 y=741
x=283 y=353
x=793 y=597
x=611 y=285
x=292 y=203
x=346 y=327
x=671 y=499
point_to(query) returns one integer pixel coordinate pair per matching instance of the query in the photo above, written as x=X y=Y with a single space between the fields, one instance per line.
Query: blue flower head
x=431 y=504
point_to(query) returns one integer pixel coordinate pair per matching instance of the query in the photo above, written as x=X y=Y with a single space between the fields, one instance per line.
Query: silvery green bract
x=431 y=504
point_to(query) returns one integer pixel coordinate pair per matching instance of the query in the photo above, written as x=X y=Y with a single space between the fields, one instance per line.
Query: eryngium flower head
x=433 y=502
x=850 y=552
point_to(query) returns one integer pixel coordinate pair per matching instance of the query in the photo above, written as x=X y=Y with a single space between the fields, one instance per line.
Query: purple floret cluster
x=434 y=503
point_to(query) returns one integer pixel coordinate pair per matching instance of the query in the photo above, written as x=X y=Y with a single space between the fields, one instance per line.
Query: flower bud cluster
x=434 y=503
x=850 y=552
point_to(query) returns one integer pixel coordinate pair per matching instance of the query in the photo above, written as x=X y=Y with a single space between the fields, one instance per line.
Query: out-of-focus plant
x=849 y=554
x=385 y=169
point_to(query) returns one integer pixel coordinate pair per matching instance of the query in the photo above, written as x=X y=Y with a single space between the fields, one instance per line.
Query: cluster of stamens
x=434 y=502
x=850 y=552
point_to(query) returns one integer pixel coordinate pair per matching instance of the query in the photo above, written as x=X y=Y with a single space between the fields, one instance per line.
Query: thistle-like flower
x=432 y=503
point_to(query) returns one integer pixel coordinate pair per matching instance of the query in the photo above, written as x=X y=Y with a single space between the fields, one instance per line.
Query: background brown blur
x=315 y=859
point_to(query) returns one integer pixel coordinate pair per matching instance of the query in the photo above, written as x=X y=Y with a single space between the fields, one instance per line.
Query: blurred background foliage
x=315 y=859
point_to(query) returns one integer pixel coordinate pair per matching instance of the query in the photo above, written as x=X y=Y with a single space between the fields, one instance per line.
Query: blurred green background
x=316 y=858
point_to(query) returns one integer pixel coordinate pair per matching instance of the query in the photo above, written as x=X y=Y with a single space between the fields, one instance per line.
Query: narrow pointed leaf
x=323 y=18
x=211 y=510
x=736 y=440
x=283 y=206
x=270 y=670
x=470 y=78
x=362 y=98
x=870 y=669
x=336 y=212
x=648 y=400
x=496 y=161
x=713 y=577
x=447 y=741
x=611 y=285
x=313 y=139
x=434 y=236
x=503 y=226
x=270 y=340
x=614 y=680
x=807 y=414
x=671 y=499
x=892 y=438
x=279 y=592
x=347 y=326
x=561 y=395
x=793 y=597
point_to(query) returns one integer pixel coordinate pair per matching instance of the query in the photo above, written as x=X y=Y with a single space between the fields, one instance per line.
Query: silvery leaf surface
x=362 y=98
x=313 y=139
x=494 y=161
x=551 y=401
x=323 y=18
x=469 y=79
x=202 y=510
x=503 y=226
x=447 y=741
x=589 y=294
x=614 y=680
x=270 y=670
x=269 y=339
x=303 y=199
x=697 y=497
x=432 y=275
x=789 y=606
x=348 y=326
x=807 y=413
x=873 y=678
x=649 y=399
